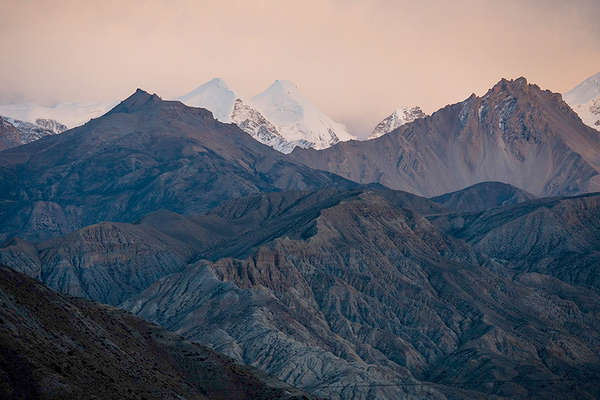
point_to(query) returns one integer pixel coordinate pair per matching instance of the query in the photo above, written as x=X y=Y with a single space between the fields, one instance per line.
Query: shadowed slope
x=56 y=347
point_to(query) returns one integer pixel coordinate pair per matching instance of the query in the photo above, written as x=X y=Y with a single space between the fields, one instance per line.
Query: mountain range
x=280 y=117
x=516 y=133
x=143 y=155
x=345 y=293
x=455 y=257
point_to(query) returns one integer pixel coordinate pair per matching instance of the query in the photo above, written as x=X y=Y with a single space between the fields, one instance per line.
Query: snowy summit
x=297 y=118
x=399 y=117
x=584 y=99
x=280 y=117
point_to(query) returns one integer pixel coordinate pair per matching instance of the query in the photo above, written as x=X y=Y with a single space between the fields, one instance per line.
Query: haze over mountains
x=280 y=117
x=311 y=266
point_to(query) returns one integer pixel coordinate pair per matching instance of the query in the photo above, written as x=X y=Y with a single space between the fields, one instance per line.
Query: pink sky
x=357 y=60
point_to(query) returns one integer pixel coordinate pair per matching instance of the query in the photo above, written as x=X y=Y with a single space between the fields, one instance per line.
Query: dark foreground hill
x=58 y=347
x=516 y=133
x=144 y=155
x=353 y=294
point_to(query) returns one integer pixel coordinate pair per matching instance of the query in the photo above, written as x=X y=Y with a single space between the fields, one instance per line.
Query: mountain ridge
x=143 y=155
x=516 y=133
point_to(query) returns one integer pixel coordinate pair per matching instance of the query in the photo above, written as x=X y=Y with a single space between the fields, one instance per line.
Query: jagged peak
x=137 y=101
x=515 y=87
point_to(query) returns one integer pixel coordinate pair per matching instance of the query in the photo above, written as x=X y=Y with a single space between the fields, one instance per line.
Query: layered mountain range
x=516 y=133
x=341 y=286
x=363 y=293
x=143 y=155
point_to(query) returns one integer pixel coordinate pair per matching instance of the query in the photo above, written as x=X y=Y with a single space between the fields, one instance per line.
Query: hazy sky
x=357 y=60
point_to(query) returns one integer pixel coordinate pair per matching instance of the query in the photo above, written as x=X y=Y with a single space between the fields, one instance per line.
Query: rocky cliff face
x=51 y=125
x=145 y=154
x=516 y=133
x=57 y=347
x=29 y=132
x=256 y=125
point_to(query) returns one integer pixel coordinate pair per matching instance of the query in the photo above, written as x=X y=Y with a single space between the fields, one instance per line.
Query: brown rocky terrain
x=58 y=347
x=516 y=134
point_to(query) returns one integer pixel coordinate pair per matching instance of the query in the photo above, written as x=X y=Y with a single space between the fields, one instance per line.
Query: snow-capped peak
x=584 y=92
x=297 y=119
x=29 y=132
x=584 y=99
x=215 y=95
x=69 y=114
x=280 y=117
x=399 y=117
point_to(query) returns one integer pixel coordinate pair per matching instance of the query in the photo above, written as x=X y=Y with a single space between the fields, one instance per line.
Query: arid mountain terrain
x=58 y=347
x=346 y=294
x=483 y=196
x=342 y=289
